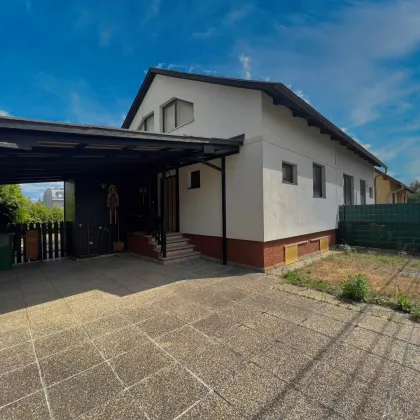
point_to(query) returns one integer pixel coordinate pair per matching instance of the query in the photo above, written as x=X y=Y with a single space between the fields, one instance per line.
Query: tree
x=13 y=205
x=415 y=197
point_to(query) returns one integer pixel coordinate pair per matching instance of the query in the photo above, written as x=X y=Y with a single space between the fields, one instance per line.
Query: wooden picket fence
x=50 y=240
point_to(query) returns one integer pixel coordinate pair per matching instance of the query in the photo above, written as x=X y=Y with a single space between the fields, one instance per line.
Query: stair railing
x=158 y=230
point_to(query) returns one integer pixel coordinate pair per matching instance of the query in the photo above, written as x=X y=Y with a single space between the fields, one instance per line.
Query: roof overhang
x=399 y=184
x=280 y=94
x=40 y=151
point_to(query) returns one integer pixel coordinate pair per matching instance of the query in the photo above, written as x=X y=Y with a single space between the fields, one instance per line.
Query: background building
x=54 y=197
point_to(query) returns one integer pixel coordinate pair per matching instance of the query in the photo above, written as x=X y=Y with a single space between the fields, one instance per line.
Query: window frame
x=351 y=178
x=175 y=101
x=293 y=167
x=190 y=180
x=322 y=181
x=363 y=197
x=370 y=192
x=144 y=120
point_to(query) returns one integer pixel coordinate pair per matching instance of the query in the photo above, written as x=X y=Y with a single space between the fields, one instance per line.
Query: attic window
x=177 y=113
x=148 y=123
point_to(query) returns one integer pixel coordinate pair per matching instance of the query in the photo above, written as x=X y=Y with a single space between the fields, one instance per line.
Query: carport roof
x=39 y=151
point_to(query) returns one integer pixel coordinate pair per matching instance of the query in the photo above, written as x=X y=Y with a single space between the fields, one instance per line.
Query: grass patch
x=388 y=280
x=295 y=277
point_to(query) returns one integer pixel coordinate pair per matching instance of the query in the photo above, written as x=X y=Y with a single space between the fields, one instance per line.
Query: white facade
x=260 y=207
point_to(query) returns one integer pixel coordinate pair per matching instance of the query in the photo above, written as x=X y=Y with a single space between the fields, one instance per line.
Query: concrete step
x=172 y=242
x=173 y=245
x=179 y=250
x=186 y=256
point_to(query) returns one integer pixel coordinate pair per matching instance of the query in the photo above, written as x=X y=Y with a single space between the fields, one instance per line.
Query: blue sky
x=357 y=62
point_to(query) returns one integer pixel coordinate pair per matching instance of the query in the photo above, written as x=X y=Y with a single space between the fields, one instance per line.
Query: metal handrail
x=158 y=230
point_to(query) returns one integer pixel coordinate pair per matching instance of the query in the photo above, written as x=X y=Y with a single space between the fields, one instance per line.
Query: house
x=389 y=190
x=54 y=197
x=284 y=187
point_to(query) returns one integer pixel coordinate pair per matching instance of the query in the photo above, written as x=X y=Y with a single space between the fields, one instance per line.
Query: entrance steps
x=178 y=248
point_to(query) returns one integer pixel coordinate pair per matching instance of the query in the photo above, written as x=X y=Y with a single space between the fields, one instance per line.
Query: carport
x=91 y=157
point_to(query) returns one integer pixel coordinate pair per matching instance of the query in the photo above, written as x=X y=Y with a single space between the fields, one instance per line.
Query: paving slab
x=212 y=407
x=122 y=407
x=160 y=324
x=183 y=342
x=139 y=363
x=214 y=364
x=54 y=343
x=69 y=362
x=16 y=357
x=18 y=383
x=120 y=341
x=33 y=407
x=169 y=392
x=81 y=393
x=252 y=391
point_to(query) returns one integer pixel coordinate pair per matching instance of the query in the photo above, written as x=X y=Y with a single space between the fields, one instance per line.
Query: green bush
x=403 y=302
x=355 y=288
x=415 y=312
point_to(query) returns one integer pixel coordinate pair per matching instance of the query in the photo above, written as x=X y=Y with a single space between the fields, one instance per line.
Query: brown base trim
x=139 y=244
x=259 y=254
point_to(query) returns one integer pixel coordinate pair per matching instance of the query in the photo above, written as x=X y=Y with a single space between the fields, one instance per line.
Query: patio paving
x=124 y=338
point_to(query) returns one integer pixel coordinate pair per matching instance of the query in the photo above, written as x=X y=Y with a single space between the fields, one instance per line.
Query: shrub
x=403 y=302
x=355 y=288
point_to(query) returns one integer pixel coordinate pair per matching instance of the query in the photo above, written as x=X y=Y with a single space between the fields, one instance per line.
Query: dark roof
x=281 y=96
x=387 y=176
x=49 y=151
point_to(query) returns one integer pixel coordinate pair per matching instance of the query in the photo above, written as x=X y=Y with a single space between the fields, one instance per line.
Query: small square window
x=194 y=179
x=289 y=173
x=318 y=181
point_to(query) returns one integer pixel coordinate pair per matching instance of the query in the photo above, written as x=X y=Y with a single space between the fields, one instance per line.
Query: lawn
x=388 y=276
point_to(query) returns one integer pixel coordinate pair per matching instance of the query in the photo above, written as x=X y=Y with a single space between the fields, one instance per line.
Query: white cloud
x=152 y=11
x=246 y=65
x=205 y=34
x=105 y=36
x=4 y=113
x=342 y=59
x=239 y=14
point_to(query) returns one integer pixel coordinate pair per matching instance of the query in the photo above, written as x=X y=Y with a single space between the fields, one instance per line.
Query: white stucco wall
x=218 y=112
x=259 y=206
x=291 y=210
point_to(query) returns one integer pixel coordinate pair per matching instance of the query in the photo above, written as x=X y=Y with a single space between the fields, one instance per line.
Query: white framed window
x=348 y=189
x=319 y=181
x=289 y=171
x=148 y=123
x=194 y=180
x=175 y=114
x=362 y=191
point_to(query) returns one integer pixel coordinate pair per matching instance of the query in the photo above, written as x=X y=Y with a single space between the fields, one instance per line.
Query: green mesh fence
x=391 y=226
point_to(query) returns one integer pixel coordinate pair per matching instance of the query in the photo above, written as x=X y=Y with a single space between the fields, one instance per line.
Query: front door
x=171 y=204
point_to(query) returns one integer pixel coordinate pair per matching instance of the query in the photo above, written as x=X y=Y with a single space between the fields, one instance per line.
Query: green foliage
x=403 y=302
x=356 y=288
x=16 y=208
x=347 y=249
x=414 y=197
x=13 y=205
x=293 y=277
x=415 y=312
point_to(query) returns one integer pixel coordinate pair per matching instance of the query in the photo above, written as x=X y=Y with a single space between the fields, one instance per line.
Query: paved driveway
x=122 y=338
